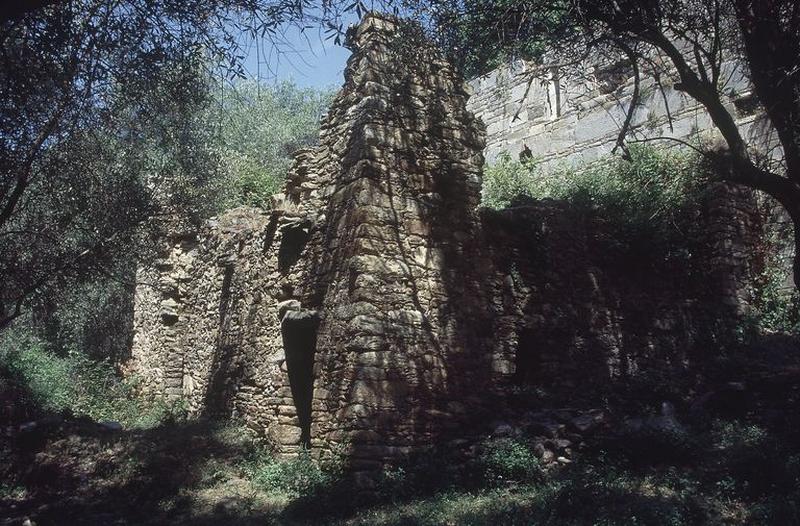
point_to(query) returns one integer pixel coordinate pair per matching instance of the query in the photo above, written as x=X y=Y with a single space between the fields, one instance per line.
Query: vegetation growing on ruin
x=777 y=303
x=647 y=200
x=649 y=185
x=110 y=129
x=685 y=43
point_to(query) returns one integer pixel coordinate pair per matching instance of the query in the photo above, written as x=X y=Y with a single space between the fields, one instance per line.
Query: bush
x=75 y=383
x=296 y=478
x=648 y=185
x=777 y=302
x=90 y=316
x=509 y=460
x=644 y=201
x=506 y=180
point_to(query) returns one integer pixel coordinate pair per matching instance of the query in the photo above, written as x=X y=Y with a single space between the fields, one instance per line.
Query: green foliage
x=299 y=477
x=91 y=317
x=93 y=193
x=728 y=435
x=735 y=471
x=757 y=464
x=76 y=383
x=260 y=127
x=11 y=492
x=480 y=35
x=649 y=186
x=105 y=125
x=777 y=302
x=429 y=471
x=506 y=180
x=644 y=200
x=509 y=460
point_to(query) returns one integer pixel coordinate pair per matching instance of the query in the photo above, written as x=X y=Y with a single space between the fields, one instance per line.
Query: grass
x=736 y=462
x=731 y=472
x=294 y=478
x=75 y=384
x=736 y=472
x=729 y=481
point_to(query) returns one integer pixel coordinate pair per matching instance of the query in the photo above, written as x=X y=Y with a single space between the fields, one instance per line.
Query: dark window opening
x=272 y=228
x=527 y=358
x=293 y=239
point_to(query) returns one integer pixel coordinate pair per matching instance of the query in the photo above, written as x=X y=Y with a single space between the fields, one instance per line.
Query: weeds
x=643 y=204
x=506 y=460
x=650 y=185
x=77 y=384
x=299 y=477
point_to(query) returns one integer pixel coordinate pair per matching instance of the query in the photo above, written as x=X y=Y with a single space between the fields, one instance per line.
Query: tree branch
x=623 y=132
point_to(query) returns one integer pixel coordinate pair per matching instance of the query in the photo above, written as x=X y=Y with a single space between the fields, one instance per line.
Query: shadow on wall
x=404 y=312
x=293 y=239
x=584 y=312
x=224 y=368
x=402 y=353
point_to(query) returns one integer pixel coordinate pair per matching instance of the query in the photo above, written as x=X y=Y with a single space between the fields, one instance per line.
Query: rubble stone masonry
x=376 y=309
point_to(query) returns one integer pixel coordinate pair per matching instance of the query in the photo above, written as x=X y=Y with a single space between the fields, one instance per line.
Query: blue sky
x=307 y=59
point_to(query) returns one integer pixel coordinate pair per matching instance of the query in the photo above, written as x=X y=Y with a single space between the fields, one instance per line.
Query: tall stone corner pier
x=376 y=311
x=389 y=196
x=352 y=316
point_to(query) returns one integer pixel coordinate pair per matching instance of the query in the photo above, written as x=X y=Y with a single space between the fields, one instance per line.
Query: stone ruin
x=377 y=310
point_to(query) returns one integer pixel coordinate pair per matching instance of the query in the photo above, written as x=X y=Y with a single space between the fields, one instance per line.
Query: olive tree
x=682 y=41
x=99 y=121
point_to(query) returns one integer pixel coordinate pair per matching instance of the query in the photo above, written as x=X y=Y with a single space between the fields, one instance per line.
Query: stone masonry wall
x=576 y=118
x=351 y=315
x=376 y=310
x=206 y=326
x=574 y=310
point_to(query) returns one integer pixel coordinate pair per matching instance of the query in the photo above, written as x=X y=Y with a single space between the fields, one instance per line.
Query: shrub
x=777 y=302
x=509 y=460
x=90 y=316
x=648 y=185
x=430 y=471
x=644 y=201
x=507 y=179
x=76 y=383
x=298 y=477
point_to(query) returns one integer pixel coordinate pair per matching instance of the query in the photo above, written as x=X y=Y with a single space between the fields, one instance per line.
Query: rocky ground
x=74 y=471
x=721 y=447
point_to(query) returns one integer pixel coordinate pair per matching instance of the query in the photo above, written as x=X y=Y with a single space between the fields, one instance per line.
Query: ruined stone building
x=376 y=309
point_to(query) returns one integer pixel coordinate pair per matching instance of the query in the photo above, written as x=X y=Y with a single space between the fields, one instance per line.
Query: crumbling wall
x=207 y=327
x=573 y=308
x=375 y=310
x=399 y=346
x=352 y=315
